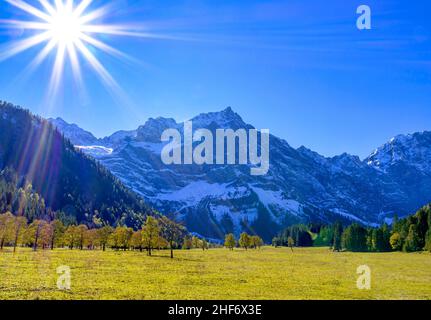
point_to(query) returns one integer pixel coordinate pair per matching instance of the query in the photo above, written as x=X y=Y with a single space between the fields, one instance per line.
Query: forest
x=410 y=234
x=35 y=157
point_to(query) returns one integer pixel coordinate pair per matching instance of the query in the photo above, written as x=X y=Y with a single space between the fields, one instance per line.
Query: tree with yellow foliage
x=150 y=234
x=229 y=241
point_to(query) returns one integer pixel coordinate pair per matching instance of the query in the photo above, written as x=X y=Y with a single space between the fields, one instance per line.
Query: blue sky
x=300 y=68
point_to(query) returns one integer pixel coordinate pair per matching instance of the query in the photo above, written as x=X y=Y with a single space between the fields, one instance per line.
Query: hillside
x=67 y=179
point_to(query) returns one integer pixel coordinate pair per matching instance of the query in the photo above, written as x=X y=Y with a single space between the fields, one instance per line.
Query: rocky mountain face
x=301 y=185
x=406 y=159
x=75 y=134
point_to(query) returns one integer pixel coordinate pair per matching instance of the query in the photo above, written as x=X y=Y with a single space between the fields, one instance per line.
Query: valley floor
x=269 y=273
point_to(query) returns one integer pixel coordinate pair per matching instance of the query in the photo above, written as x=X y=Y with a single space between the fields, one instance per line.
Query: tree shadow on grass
x=173 y=259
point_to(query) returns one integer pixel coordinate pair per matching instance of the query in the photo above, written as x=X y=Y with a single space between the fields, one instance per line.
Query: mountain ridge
x=302 y=185
x=68 y=180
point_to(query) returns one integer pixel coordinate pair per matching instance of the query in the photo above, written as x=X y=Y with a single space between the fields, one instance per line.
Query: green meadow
x=268 y=273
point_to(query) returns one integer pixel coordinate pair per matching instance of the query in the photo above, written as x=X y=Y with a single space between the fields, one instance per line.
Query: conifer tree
x=338 y=231
x=378 y=240
x=355 y=238
x=428 y=241
x=422 y=226
x=412 y=242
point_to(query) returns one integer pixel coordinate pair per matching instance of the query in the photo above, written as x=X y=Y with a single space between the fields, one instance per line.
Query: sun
x=70 y=28
x=66 y=27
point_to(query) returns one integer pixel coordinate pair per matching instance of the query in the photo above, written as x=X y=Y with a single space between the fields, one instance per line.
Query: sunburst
x=70 y=28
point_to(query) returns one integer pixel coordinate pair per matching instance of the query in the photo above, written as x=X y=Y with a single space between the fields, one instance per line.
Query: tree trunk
x=36 y=239
x=15 y=242
x=103 y=247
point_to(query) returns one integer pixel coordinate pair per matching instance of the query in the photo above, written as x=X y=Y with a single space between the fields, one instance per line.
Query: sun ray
x=19 y=24
x=113 y=87
x=69 y=5
x=76 y=68
x=81 y=7
x=59 y=5
x=108 y=49
x=48 y=7
x=57 y=71
x=34 y=64
x=124 y=31
x=96 y=14
x=41 y=56
x=72 y=28
x=97 y=66
x=30 y=9
x=20 y=46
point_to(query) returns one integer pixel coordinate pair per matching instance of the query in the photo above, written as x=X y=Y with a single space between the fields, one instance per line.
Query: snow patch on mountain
x=275 y=198
x=349 y=216
x=155 y=148
x=411 y=149
x=74 y=133
x=194 y=192
x=95 y=151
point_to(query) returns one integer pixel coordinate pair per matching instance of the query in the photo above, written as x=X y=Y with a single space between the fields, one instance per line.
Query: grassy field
x=269 y=273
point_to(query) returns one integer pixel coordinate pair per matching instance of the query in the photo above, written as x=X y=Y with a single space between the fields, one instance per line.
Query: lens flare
x=65 y=27
x=70 y=29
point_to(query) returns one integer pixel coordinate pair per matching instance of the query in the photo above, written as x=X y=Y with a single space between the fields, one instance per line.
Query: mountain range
x=62 y=180
x=301 y=185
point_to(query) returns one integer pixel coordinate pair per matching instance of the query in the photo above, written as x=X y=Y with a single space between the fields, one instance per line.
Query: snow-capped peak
x=74 y=133
x=412 y=149
x=152 y=130
x=225 y=119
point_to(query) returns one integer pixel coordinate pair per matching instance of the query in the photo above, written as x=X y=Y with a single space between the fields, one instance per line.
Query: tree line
x=245 y=241
x=410 y=234
x=156 y=233
x=300 y=235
